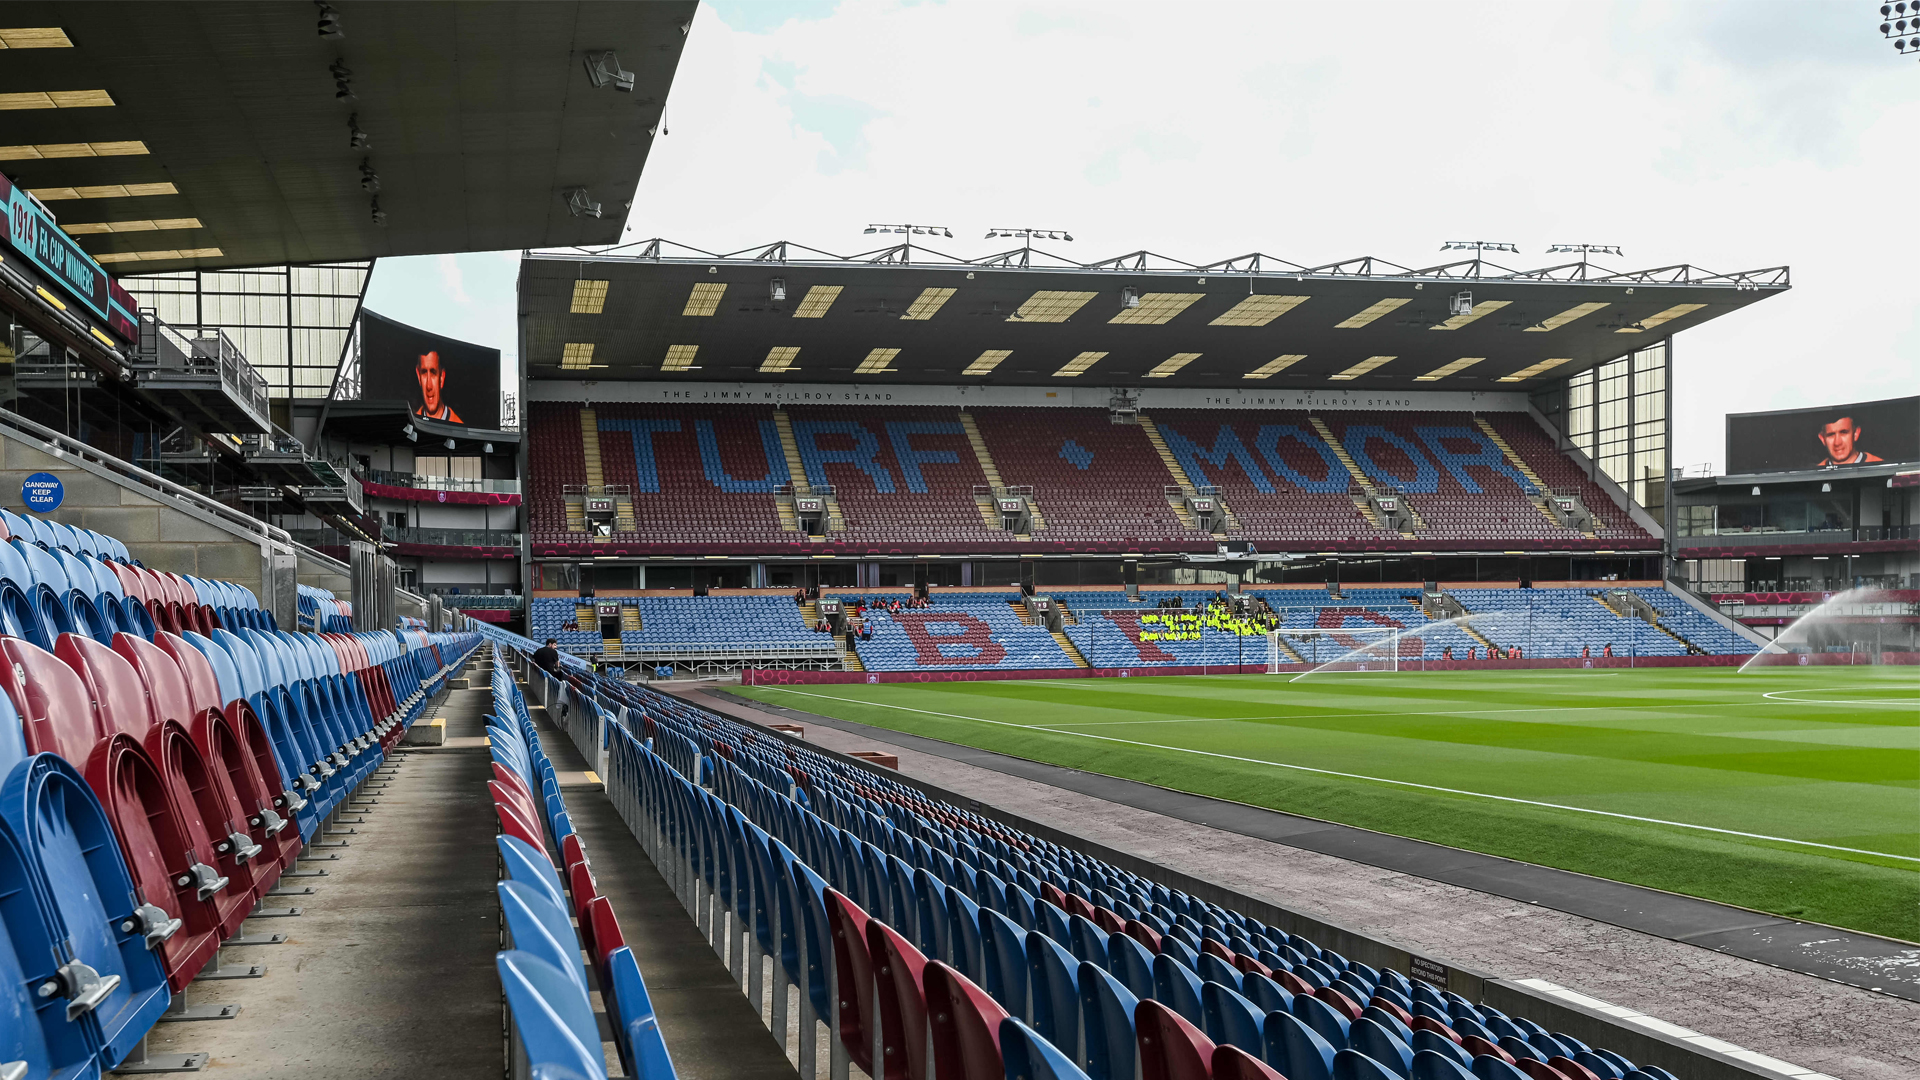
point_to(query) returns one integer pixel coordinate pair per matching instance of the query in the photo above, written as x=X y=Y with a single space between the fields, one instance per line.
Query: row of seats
x=906 y=474
x=930 y=939
x=542 y=972
x=961 y=631
x=768 y=621
x=154 y=784
x=321 y=611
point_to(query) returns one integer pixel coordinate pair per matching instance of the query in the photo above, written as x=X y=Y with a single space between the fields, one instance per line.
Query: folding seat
x=1295 y=1049
x=241 y=754
x=46 y=588
x=1107 y=1009
x=301 y=761
x=96 y=953
x=552 y=1017
x=965 y=1025
x=167 y=860
x=214 y=822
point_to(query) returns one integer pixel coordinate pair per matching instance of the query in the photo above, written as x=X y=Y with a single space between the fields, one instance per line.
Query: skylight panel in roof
x=576 y=355
x=156 y=256
x=987 y=361
x=1156 y=309
x=49 y=151
x=1258 y=310
x=679 y=357
x=104 y=191
x=929 y=302
x=1445 y=370
x=1666 y=316
x=876 y=362
x=1275 y=366
x=779 y=358
x=1565 y=317
x=819 y=298
x=589 y=297
x=1373 y=312
x=58 y=99
x=1480 y=310
x=1049 y=306
x=1531 y=370
x=85 y=228
x=34 y=37
x=1172 y=364
x=1360 y=368
x=1078 y=364
x=705 y=298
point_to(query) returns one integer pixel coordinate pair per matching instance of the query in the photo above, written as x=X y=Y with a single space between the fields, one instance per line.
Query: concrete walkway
x=709 y=1026
x=1812 y=1022
x=388 y=972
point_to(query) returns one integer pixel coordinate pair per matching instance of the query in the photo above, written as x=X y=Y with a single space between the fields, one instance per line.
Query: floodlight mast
x=1904 y=28
x=1030 y=235
x=1583 y=250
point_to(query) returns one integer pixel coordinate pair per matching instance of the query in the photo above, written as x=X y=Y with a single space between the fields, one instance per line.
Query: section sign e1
x=32 y=234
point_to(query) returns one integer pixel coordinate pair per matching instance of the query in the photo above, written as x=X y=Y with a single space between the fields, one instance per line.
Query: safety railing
x=454 y=537
x=439 y=483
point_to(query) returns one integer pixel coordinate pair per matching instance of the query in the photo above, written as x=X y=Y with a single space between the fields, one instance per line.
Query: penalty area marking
x=1777 y=695
x=1359 y=776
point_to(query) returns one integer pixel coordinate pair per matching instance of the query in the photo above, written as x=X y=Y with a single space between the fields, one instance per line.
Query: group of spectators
x=1493 y=652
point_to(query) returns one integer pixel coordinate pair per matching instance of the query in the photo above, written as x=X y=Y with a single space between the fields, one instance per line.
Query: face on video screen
x=439 y=378
x=432 y=377
x=1842 y=439
x=1826 y=437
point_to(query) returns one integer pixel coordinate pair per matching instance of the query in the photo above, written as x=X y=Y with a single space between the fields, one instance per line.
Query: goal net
x=1356 y=649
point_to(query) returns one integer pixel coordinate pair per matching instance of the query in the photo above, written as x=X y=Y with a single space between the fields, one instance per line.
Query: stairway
x=630 y=619
x=810 y=611
x=1286 y=648
x=1541 y=492
x=623 y=521
x=796 y=472
x=1073 y=651
x=576 y=516
x=849 y=655
x=583 y=615
x=989 y=513
x=1026 y=615
x=1177 y=503
x=596 y=480
x=1360 y=502
x=789 y=520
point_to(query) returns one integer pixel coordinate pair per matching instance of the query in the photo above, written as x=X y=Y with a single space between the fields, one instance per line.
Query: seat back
x=553 y=1017
x=1029 y=1056
x=50 y=699
x=964 y=1022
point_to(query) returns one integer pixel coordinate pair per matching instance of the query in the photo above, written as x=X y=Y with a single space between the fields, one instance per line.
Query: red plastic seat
x=853 y=966
x=232 y=784
x=516 y=824
x=239 y=741
x=1570 y=1068
x=1170 y=1048
x=582 y=887
x=899 y=973
x=60 y=719
x=518 y=801
x=1426 y=1023
x=1475 y=1046
x=604 y=928
x=1233 y=1063
x=1341 y=1003
x=1141 y=933
x=965 y=1025
x=1540 y=1070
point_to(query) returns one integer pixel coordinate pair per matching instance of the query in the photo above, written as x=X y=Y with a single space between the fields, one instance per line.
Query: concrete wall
x=164 y=534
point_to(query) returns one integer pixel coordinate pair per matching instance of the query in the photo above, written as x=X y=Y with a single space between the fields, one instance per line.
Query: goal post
x=1372 y=648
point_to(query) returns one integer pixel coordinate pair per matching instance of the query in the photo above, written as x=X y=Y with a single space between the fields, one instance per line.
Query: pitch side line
x=1358 y=776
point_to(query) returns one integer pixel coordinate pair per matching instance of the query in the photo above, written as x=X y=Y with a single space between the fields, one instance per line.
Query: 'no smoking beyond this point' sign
x=42 y=492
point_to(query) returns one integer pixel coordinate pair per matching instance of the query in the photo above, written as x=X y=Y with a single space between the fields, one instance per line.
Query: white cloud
x=452 y=282
x=1727 y=135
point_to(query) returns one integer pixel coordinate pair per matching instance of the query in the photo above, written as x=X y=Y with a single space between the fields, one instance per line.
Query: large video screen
x=1863 y=433
x=454 y=382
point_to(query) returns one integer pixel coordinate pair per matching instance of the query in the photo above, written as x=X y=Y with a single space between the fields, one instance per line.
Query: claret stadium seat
x=241 y=746
x=215 y=835
x=161 y=851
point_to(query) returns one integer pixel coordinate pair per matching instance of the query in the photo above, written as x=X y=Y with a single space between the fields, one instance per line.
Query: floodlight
x=603 y=69
x=379 y=215
x=578 y=204
x=329 y=25
x=1129 y=299
x=1460 y=304
x=357 y=139
x=777 y=289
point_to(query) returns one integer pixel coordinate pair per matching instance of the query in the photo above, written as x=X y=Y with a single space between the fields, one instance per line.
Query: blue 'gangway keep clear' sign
x=42 y=492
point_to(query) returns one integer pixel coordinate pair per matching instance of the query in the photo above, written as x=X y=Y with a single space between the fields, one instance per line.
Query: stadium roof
x=169 y=134
x=659 y=311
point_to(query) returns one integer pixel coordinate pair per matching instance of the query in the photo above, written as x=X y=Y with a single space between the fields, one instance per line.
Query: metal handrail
x=439 y=483
x=159 y=485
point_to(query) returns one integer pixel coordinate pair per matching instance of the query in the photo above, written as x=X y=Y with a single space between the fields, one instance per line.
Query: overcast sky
x=1732 y=136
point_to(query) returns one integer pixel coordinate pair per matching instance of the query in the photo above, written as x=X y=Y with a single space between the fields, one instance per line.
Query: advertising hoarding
x=30 y=232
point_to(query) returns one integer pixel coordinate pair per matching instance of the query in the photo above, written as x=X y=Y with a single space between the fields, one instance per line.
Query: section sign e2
x=42 y=492
x=30 y=233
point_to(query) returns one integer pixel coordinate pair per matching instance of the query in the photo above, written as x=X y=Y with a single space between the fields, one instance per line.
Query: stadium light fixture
x=603 y=70
x=777 y=290
x=1906 y=21
x=342 y=81
x=379 y=215
x=578 y=204
x=912 y=230
x=1129 y=299
x=1585 y=249
x=1477 y=246
x=369 y=180
x=357 y=139
x=329 y=24
x=1030 y=235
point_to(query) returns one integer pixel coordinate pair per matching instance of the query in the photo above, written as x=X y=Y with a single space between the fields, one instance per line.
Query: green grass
x=1832 y=759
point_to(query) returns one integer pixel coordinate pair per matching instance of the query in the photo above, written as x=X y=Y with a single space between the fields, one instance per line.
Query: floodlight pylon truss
x=1252 y=265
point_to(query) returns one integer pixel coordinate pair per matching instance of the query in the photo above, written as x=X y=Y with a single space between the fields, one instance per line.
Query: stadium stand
x=166 y=752
x=904 y=478
x=956 y=941
x=974 y=631
x=767 y=623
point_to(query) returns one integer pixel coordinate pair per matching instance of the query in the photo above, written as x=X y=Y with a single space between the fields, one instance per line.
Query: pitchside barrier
x=686 y=853
x=763 y=677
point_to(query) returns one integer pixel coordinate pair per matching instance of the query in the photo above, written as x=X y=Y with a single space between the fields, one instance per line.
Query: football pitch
x=1793 y=791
